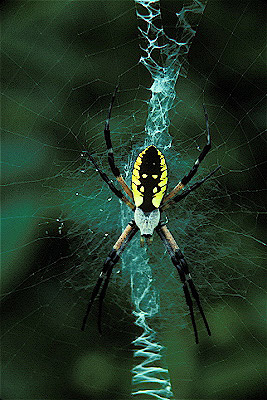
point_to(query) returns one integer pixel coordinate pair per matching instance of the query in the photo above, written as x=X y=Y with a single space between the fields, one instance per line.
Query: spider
x=148 y=199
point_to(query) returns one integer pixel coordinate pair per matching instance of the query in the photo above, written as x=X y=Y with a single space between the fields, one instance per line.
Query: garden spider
x=148 y=200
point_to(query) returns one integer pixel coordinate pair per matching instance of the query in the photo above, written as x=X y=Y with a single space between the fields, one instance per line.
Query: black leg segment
x=104 y=277
x=193 y=187
x=115 y=170
x=181 y=265
x=105 y=178
x=187 y=178
x=202 y=155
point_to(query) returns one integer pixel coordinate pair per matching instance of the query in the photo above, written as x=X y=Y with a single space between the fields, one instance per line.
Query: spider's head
x=146 y=222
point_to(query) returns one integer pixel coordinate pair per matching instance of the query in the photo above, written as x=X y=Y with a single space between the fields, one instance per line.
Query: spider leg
x=186 y=192
x=194 y=169
x=101 y=299
x=111 y=260
x=115 y=170
x=180 y=264
x=196 y=297
x=190 y=304
x=105 y=274
x=104 y=176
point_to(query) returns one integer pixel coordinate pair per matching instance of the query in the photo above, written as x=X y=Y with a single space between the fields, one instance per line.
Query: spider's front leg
x=180 y=196
x=105 y=274
x=115 y=170
x=180 y=264
x=105 y=178
x=187 y=178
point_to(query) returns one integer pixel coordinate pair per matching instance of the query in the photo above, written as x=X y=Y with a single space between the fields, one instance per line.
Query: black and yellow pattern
x=149 y=179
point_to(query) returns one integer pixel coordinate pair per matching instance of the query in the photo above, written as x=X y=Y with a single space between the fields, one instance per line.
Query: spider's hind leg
x=196 y=297
x=180 y=264
x=188 y=279
x=105 y=274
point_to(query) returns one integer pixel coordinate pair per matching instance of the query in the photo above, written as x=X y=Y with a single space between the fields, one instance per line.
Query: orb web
x=61 y=62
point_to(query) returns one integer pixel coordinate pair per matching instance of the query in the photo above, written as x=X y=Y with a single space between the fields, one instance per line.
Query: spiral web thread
x=165 y=59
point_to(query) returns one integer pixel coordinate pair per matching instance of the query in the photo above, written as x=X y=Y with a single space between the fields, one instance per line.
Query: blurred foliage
x=60 y=63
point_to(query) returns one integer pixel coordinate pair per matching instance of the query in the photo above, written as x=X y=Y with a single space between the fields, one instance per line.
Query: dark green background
x=60 y=63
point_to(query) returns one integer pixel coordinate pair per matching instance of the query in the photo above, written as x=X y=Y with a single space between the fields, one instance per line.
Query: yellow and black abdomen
x=149 y=179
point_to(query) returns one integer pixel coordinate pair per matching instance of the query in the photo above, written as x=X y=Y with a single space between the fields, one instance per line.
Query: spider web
x=61 y=61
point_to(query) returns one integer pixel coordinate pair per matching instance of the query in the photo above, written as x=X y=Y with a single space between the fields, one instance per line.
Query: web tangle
x=166 y=59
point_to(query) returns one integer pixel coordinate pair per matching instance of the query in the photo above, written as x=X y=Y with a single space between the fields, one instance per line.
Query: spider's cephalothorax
x=147 y=199
x=149 y=184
